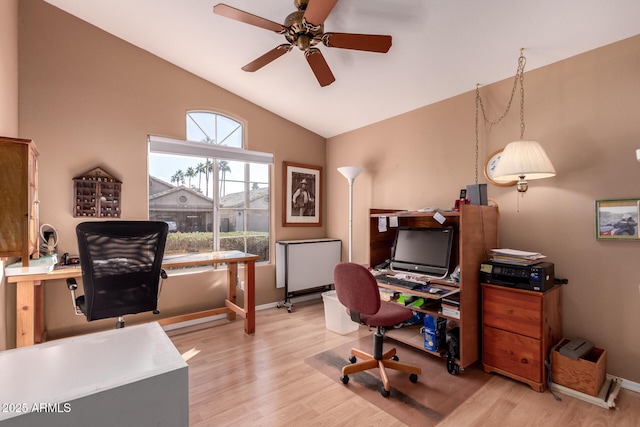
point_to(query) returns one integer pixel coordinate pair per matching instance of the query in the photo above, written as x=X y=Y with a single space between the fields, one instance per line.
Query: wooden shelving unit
x=19 y=213
x=476 y=232
x=97 y=194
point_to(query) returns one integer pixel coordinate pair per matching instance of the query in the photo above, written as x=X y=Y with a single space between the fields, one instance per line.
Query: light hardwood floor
x=262 y=380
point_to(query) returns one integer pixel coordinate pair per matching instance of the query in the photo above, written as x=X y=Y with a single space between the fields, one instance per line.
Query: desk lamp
x=350 y=172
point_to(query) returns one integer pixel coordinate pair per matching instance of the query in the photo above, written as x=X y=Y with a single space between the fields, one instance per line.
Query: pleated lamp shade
x=523 y=158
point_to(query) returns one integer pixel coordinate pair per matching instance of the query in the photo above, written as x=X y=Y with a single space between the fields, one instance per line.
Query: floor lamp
x=350 y=172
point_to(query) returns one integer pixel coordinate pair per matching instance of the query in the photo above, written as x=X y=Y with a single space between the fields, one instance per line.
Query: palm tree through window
x=227 y=198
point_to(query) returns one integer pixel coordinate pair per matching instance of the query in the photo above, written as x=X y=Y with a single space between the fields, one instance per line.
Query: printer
x=535 y=277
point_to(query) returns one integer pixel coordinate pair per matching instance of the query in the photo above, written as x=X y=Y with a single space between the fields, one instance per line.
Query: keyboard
x=402 y=283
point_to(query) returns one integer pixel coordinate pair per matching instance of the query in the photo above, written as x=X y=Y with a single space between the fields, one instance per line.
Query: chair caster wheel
x=385 y=392
x=352 y=359
x=344 y=379
x=395 y=357
x=413 y=378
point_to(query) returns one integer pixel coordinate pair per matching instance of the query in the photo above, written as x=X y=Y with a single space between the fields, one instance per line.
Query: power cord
x=547 y=364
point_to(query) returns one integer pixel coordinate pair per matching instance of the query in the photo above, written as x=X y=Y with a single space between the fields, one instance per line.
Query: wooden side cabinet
x=519 y=328
x=19 y=227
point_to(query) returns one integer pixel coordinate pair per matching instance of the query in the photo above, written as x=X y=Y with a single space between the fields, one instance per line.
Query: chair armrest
x=73 y=285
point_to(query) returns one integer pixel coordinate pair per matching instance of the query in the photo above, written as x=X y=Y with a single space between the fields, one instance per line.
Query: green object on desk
x=418 y=303
x=406 y=299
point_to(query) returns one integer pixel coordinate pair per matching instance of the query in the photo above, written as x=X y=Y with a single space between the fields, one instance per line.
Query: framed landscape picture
x=617 y=219
x=302 y=195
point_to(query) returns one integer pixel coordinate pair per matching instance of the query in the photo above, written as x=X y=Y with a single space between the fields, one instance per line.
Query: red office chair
x=357 y=290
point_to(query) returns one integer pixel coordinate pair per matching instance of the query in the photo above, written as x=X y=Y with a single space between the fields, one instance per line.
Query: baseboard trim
x=630 y=385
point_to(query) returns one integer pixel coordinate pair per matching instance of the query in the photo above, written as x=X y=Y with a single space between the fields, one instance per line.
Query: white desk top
x=64 y=370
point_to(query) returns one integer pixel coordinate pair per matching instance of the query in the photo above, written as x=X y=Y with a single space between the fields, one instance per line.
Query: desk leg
x=38 y=312
x=25 y=312
x=232 y=282
x=250 y=298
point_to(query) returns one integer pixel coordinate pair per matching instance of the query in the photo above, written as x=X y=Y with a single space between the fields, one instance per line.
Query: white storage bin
x=335 y=315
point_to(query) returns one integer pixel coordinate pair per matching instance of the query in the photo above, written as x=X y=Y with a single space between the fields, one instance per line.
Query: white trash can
x=335 y=315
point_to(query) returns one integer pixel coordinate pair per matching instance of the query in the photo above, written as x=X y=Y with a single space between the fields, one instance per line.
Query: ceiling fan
x=305 y=29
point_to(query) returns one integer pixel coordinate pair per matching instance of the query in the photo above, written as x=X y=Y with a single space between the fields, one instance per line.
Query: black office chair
x=357 y=290
x=121 y=268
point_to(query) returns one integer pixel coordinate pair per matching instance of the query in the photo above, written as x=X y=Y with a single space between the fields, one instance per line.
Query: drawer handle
x=524 y=361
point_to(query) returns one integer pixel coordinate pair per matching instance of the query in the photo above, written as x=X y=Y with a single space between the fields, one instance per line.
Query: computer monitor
x=425 y=251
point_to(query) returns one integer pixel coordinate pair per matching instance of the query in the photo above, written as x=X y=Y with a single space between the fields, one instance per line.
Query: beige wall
x=89 y=99
x=8 y=121
x=584 y=111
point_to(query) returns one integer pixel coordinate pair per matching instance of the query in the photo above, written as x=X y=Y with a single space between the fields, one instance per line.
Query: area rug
x=425 y=403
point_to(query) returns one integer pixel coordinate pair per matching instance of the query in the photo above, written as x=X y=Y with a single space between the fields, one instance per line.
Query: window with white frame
x=212 y=192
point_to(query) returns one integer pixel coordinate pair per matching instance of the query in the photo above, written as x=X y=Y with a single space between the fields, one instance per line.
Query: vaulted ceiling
x=441 y=48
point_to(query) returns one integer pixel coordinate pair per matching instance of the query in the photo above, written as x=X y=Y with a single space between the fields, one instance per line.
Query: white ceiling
x=441 y=48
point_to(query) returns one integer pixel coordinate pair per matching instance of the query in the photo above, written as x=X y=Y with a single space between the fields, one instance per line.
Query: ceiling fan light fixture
x=303 y=42
x=304 y=28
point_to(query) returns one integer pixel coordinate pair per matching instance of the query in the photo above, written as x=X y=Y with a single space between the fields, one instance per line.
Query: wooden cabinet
x=519 y=328
x=19 y=227
x=476 y=232
x=97 y=194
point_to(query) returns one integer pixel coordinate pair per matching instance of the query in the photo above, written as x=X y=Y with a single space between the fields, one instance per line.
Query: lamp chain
x=521 y=62
x=519 y=78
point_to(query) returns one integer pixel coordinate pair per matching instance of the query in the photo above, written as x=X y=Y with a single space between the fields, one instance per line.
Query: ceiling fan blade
x=318 y=10
x=247 y=18
x=367 y=42
x=319 y=67
x=272 y=55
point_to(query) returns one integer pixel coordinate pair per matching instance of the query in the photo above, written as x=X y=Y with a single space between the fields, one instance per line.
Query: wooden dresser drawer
x=512 y=311
x=517 y=354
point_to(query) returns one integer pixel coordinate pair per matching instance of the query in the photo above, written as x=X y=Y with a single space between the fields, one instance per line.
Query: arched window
x=215 y=190
x=213 y=128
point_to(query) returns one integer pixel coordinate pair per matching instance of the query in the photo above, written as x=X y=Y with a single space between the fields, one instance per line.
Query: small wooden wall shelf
x=97 y=194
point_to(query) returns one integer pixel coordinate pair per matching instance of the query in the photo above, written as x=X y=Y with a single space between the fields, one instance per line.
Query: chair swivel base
x=388 y=360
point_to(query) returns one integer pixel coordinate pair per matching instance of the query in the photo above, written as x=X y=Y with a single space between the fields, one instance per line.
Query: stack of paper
x=516 y=257
x=40 y=265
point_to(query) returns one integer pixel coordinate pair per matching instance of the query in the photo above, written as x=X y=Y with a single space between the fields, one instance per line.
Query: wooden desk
x=30 y=293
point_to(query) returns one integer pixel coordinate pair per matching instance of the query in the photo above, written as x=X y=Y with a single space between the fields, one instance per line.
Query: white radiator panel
x=306 y=264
